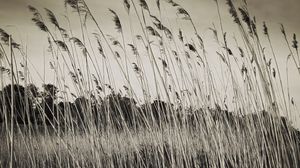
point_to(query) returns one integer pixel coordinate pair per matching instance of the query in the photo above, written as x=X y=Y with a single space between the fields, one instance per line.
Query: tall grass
x=151 y=100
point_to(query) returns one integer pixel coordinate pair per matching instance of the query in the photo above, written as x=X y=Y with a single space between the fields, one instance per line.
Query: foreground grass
x=180 y=68
x=266 y=142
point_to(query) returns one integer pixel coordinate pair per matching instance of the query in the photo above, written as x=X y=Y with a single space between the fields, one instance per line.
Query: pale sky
x=16 y=19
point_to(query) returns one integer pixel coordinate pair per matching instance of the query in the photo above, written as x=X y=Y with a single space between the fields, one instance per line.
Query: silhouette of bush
x=121 y=111
x=22 y=113
x=48 y=103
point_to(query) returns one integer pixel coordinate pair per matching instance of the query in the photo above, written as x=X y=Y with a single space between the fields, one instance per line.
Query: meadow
x=149 y=94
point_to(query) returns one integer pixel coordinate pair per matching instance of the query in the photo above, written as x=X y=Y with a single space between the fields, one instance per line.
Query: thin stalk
x=11 y=163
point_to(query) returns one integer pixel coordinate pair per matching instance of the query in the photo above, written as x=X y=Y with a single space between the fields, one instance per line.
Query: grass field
x=149 y=94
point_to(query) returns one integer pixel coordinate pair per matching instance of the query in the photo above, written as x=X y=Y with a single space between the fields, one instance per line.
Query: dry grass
x=229 y=119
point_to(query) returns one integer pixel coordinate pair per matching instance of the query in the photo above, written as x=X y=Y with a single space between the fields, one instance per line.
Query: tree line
x=44 y=108
x=31 y=106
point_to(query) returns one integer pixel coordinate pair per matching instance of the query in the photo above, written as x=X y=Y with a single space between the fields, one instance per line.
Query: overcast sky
x=14 y=12
x=274 y=12
x=15 y=18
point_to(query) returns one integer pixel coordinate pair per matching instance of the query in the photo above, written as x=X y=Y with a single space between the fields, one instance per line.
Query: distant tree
x=49 y=95
x=156 y=112
x=159 y=110
x=32 y=90
x=66 y=112
x=21 y=114
x=98 y=113
x=50 y=90
x=81 y=111
x=122 y=110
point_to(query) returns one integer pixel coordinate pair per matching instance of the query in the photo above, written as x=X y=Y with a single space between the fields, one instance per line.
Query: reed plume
x=117 y=21
x=144 y=5
x=126 y=5
x=295 y=42
x=233 y=12
x=52 y=18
